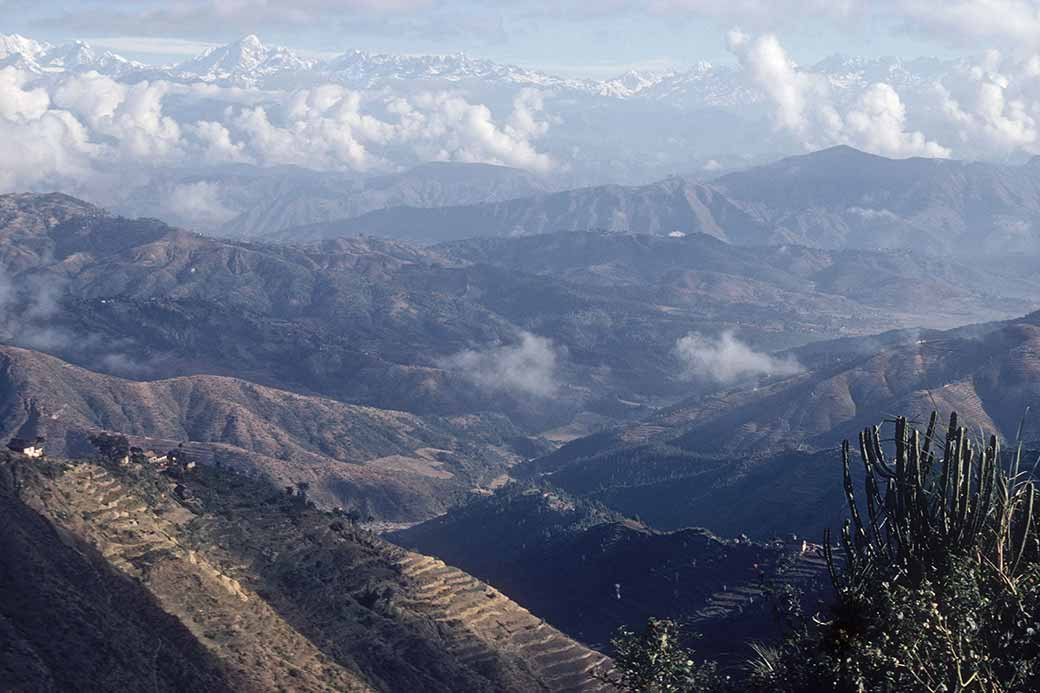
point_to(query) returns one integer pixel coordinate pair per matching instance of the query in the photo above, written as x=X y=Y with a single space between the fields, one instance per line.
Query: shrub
x=654 y=661
x=937 y=581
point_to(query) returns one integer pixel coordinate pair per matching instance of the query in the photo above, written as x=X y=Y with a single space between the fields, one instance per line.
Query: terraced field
x=806 y=567
x=234 y=623
x=589 y=571
x=286 y=597
x=452 y=597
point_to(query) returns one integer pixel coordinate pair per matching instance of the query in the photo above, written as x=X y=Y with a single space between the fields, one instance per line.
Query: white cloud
x=215 y=144
x=18 y=103
x=196 y=203
x=447 y=127
x=64 y=131
x=994 y=104
x=804 y=106
x=328 y=128
x=38 y=144
x=528 y=368
x=726 y=359
x=772 y=71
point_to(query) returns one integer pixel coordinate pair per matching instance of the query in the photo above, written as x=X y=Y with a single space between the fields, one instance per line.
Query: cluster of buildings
x=30 y=447
x=177 y=459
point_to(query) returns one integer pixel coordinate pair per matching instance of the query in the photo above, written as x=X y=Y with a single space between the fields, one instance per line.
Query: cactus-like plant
x=972 y=500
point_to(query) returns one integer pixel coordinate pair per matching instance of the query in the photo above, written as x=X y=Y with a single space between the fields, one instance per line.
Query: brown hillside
x=989 y=379
x=260 y=591
x=389 y=464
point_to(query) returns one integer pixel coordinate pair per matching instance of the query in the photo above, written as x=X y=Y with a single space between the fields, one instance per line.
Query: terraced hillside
x=387 y=464
x=255 y=589
x=588 y=571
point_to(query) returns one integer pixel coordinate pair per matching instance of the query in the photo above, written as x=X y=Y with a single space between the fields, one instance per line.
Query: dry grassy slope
x=283 y=597
x=989 y=380
x=390 y=464
x=25 y=214
x=989 y=374
x=68 y=617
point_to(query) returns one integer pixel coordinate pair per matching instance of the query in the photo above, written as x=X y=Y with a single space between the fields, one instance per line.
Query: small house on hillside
x=27 y=447
x=157 y=459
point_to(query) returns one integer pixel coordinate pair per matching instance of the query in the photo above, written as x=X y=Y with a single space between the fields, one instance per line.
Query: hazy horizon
x=598 y=39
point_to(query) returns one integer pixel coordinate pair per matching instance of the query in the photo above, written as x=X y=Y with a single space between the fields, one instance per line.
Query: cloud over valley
x=528 y=368
x=725 y=359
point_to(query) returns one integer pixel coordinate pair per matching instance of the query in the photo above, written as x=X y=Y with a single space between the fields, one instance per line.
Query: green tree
x=654 y=661
x=111 y=446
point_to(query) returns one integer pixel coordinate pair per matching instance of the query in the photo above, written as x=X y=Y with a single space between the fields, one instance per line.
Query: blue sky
x=577 y=37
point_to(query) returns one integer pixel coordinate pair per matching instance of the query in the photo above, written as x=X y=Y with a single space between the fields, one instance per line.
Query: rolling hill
x=390 y=465
x=838 y=198
x=845 y=198
x=658 y=209
x=380 y=323
x=349 y=329
x=252 y=202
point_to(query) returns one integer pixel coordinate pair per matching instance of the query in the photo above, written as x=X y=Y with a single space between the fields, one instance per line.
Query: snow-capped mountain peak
x=78 y=56
x=247 y=53
x=81 y=55
x=250 y=63
x=244 y=61
x=366 y=69
x=15 y=44
x=632 y=82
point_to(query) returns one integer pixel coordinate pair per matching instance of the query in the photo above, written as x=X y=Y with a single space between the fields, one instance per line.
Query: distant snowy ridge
x=251 y=63
x=77 y=56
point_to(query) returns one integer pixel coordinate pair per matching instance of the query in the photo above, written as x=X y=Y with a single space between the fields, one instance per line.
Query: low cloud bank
x=30 y=312
x=528 y=368
x=726 y=359
x=65 y=131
